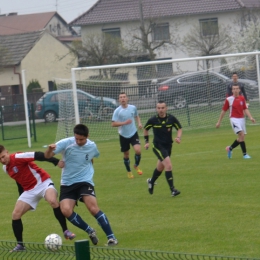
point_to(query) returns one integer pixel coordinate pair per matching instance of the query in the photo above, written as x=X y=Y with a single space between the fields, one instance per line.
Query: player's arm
x=249 y=115
x=118 y=123
x=147 y=126
x=229 y=90
x=146 y=139
x=223 y=112
x=39 y=156
x=244 y=93
x=177 y=139
x=138 y=120
x=49 y=152
x=20 y=188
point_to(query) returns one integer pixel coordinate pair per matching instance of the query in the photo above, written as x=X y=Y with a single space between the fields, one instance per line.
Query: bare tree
x=214 y=41
x=207 y=41
x=100 y=49
x=247 y=36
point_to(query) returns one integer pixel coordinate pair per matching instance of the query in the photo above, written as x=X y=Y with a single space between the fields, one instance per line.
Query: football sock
x=18 y=230
x=127 y=164
x=104 y=223
x=169 y=178
x=243 y=147
x=156 y=175
x=77 y=221
x=60 y=217
x=234 y=145
x=137 y=159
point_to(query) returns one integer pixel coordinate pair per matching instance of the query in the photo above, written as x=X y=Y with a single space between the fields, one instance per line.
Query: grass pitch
x=217 y=212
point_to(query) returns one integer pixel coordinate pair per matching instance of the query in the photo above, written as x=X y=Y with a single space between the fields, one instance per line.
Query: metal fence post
x=82 y=250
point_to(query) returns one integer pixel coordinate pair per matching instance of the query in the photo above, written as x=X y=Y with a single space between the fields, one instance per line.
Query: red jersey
x=22 y=169
x=236 y=106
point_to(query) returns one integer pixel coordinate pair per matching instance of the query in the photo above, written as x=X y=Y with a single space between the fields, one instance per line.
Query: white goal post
x=193 y=88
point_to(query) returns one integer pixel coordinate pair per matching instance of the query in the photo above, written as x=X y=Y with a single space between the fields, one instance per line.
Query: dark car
x=197 y=87
x=47 y=107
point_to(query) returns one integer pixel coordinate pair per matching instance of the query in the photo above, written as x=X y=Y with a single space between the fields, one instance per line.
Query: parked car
x=196 y=87
x=47 y=107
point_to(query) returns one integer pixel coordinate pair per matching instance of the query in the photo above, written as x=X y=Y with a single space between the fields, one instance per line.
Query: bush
x=34 y=86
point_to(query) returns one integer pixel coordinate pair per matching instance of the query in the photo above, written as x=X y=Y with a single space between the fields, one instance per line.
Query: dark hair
x=122 y=93
x=81 y=129
x=2 y=148
x=235 y=85
x=161 y=102
x=234 y=73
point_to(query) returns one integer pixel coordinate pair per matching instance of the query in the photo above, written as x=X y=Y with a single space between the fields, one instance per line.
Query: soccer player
x=33 y=184
x=162 y=125
x=124 y=118
x=237 y=108
x=236 y=82
x=77 y=181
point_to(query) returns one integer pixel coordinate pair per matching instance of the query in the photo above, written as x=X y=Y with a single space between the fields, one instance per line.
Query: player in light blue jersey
x=124 y=118
x=77 y=181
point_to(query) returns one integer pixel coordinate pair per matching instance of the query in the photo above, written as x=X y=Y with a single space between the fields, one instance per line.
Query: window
x=209 y=27
x=114 y=32
x=161 y=32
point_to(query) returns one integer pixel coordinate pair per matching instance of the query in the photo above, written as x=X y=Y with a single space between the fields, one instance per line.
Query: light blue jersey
x=78 y=165
x=122 y=114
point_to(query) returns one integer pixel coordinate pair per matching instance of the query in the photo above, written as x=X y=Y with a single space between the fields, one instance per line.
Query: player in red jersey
x=237 y=107
x=33 y=184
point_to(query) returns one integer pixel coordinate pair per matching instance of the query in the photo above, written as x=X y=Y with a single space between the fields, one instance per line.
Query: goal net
x=194 y=90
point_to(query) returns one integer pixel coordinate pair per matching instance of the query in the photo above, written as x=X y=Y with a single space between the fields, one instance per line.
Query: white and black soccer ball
x=53 y=242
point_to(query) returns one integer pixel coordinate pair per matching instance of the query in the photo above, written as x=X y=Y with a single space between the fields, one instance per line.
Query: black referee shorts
x=162 y=151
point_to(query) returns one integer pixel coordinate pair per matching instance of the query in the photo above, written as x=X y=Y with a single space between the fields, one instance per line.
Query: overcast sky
x=68 y=9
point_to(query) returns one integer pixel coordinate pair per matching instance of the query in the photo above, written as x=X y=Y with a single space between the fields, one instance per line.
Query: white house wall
x=47 y=60
x=8 y=78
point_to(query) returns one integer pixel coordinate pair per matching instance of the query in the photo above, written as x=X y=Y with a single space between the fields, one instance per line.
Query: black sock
x=137 y=159
x=60 y=217
x=243 y=147
x=127 y=164
x=77 y=221
x=104 y=223
x=169 y=178
x=156 y=175
x=18 y=230
x=234 y=145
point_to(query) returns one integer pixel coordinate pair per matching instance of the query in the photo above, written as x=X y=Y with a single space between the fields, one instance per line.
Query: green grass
x=217 y=212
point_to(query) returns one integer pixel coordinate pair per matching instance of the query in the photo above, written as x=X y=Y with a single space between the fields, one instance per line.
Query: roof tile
x=109 y=11
x=14 y=48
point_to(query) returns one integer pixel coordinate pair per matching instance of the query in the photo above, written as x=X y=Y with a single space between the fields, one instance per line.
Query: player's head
x=123 y=99
x=235 y=90
x=234 y=77
x=4 y=155
x=81 y=134
x=161 y=108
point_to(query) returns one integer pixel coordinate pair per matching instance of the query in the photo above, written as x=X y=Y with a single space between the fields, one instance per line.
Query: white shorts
x=33 y=196
x=238 y=125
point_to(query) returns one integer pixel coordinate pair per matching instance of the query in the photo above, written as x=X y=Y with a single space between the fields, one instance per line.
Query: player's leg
x=91 y=204
x=239 y=128
x=68 y=198
x=135 y=142
x=50 y=196
x=125 y=147
x=21 y=207
x=169 y=176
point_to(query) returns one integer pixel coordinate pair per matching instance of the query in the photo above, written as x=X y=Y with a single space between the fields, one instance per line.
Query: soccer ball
x=53 y=242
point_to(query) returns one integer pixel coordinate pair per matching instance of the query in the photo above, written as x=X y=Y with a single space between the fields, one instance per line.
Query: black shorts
x=125 y=142
x=76 y=191
x=162 y=151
